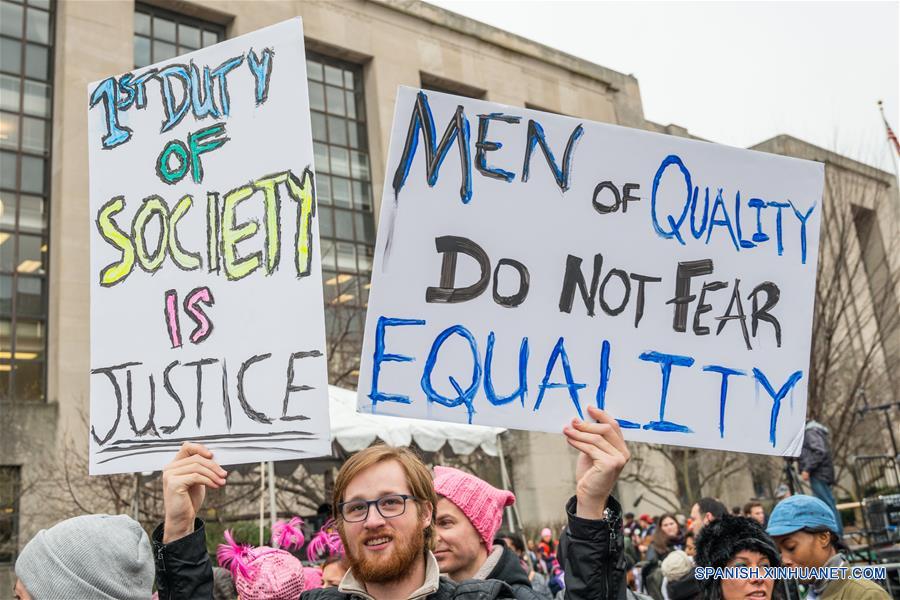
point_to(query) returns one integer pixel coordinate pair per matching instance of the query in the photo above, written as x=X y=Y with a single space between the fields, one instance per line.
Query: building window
x=10 y=488
x=26 y=78
x=344 y=193
x=160 y=34
x=436 y=83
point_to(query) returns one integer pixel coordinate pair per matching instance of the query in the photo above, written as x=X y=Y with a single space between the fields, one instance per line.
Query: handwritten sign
x=206 y=289
x=530 y=264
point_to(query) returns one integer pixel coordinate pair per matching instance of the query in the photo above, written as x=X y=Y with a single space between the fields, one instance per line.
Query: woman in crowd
x=731 y=541
x=666 y=538
x=806 y=532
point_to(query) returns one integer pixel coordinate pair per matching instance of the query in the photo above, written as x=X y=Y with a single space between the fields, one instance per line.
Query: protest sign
x=529 y=264
x=206 y=289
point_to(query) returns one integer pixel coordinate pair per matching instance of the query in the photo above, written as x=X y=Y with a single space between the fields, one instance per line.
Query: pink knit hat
x=481 y=502
x=262 y=573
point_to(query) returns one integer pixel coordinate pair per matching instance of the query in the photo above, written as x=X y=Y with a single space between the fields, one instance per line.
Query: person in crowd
x=388 y=538
x=467 y=517
x=704 y=512
x=754 y=510
x=103 y=557
x=690 y=546
x=729 y=541
x=312 y=578
x=736 y=511
x=646 y=522
x=807 y=535
x=223 y=584
x=817 y=467
x=679 y=582
x=538 y=580
x=333 y=570
x=666 y=538
x=261 y=573
x=546 y=550
x=629 y=523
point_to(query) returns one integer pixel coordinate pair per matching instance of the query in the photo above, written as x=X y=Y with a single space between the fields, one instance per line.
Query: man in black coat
x=384 y=502
x=817 y=466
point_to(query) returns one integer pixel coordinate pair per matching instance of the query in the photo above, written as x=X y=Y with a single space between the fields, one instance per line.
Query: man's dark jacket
x=594 y=564
x=509 y=570
x=815 y=457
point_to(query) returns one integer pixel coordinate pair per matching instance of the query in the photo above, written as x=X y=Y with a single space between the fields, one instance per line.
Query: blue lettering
x=108 y=92
x=262 y=71
x=375 y=395
x=522 y=390
x=559 y=353
x=482 y=146
x=777 y=397
x=462 y=397
x=803 y=218
x=723 y=391
x=665 y=362
x=724 y=222
x=536 y=137
x=674 y=225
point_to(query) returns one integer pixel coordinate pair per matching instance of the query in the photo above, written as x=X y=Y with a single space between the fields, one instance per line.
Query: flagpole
x=891 y=149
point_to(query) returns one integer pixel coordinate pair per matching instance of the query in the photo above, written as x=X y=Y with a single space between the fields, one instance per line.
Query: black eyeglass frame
x=369 y=503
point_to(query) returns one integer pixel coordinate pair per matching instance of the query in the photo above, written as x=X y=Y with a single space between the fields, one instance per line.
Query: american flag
x=892 y=137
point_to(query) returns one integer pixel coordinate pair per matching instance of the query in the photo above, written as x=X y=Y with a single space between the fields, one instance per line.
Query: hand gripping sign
x=206 y=289
x=530 y=264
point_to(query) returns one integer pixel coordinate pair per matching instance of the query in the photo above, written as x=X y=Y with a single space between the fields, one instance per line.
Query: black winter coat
x=592 y=555
x=815 y=457
x=594 y=564
x=509 y=570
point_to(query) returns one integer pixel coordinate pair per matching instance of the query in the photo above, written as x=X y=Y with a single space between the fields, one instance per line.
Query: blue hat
x=798 y=512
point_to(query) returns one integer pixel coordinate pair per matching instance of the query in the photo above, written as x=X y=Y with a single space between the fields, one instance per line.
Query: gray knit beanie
x=93 y=557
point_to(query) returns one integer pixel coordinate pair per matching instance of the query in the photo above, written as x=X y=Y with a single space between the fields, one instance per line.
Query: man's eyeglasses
x=390 y=506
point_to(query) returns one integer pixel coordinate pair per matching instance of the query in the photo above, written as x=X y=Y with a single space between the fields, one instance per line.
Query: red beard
x=387 y=567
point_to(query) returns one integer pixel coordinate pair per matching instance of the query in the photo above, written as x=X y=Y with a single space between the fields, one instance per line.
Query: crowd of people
x=402 y=531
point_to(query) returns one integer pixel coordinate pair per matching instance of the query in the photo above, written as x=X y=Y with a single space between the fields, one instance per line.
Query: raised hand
x=603 y=455
x=185 y=480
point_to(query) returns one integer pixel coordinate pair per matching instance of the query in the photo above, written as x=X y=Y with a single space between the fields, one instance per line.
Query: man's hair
x=418 y=478
x=750 y=506
x=516 y=540
x=629 y=515
x=713 y=506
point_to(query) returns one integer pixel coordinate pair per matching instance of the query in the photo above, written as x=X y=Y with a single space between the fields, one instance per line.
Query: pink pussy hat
x=262 y=573
x=481 y=502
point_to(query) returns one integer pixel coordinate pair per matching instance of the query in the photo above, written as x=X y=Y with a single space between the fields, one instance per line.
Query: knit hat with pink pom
x=265 y=573
x=481 y=502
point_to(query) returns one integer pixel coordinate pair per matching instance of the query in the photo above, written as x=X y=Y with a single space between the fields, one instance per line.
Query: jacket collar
x=484 y=571
x=350 y=585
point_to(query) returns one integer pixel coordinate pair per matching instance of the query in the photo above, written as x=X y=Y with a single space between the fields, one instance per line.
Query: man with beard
x=384 y=502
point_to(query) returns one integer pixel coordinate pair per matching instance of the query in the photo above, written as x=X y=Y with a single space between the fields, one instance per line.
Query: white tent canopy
x=355 y=431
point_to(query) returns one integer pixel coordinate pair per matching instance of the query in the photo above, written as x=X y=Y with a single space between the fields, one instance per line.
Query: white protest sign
x=530 y=264
x=206 y=289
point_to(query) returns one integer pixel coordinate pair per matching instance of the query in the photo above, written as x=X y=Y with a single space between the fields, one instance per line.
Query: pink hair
x=233 y=556
x=287 y=534
x=326 y=541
